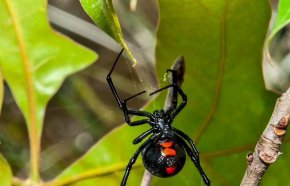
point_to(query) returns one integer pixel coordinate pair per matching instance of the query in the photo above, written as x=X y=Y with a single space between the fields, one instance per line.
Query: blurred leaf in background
x=277 y=49
x=6 y=173
x=35 y=61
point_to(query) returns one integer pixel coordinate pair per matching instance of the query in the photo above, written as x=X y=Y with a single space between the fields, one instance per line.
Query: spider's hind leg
x=194 y=159
x=133 y=160
x=183 y=135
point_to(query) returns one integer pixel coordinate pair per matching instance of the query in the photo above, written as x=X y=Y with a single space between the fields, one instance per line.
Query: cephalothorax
x=164 y=152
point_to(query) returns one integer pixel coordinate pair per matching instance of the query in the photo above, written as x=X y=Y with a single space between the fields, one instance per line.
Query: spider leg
x=110 y=82
x=174 y=100
x=183 y=135
x=142 y=136
x=127 y=99
x=133 y=160
x=122 y=103
x=173 y=93
x=194 y=160
x=182 y=104
x=174 y=109
x=177 y=73
x=174 y=83
x=159 y=90
x=138 y=122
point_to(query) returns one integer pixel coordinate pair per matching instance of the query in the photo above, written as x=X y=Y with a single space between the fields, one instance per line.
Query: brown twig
x=179 y=66
x=269 y=145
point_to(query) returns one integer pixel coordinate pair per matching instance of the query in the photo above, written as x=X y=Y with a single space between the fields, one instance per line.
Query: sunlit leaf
x=228 y=106
x=5 y=173
x=35 y=60
x=282 y=19
x=103 y=14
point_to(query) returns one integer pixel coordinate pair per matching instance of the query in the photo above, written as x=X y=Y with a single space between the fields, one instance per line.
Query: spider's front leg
x=174 y=109
x=123 y=103
x=182 y=104
x=173 y=94
x=128 y=112
x=177 y=73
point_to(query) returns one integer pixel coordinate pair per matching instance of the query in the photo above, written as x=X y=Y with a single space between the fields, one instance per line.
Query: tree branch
x=179 y=66
x=269 y=145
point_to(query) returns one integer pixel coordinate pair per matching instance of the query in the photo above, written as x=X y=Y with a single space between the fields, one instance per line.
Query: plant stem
x=269 y=145
x=146 y=180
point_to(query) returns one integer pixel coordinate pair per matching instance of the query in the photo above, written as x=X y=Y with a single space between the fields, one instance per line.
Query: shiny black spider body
x=164 y=152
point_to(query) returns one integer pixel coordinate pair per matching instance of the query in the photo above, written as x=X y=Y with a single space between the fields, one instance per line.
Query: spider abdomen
x=164 y=158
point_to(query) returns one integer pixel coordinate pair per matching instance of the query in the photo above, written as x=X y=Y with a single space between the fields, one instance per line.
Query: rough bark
x=269 y=145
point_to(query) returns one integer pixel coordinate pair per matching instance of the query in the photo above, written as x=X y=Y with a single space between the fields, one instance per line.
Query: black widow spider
x=164 y=151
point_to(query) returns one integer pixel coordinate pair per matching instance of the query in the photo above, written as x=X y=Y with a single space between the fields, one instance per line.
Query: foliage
x=6 y=173
x=222 y=42
x=276 y=67
x=103 y=14
x=227 y=98
x=34 y=66
x=283 y=18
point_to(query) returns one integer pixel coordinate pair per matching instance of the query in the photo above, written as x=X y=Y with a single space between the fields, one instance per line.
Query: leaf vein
x=29 y=88
x=218 y=88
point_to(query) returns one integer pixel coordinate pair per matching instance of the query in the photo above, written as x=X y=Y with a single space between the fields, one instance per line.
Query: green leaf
x=1 y=91
x=282 y=19
x=34 y=61
x=276 y=69
x=5 y=173
x=100 y=160
x=228 y=106
x=103 y=14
